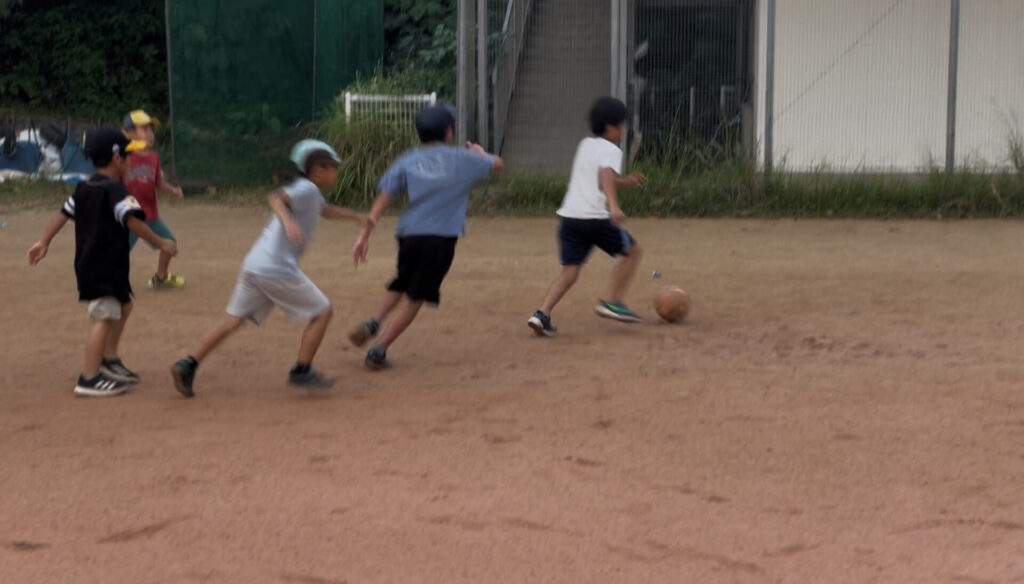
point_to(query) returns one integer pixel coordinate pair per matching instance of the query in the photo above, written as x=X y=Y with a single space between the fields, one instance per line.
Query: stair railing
x=506 y=65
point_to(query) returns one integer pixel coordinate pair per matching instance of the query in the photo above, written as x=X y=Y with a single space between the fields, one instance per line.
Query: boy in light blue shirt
x=437 y=178
x=270 y=275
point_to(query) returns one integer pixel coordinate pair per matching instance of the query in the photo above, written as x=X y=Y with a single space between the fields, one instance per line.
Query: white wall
x=880 y=104
x=991 y=79
x=857 y=88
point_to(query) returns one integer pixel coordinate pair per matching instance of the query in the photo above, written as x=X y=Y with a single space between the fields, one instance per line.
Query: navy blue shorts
x=576 y=237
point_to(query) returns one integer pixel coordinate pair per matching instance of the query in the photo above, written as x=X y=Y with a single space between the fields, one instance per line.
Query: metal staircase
x=559 y=62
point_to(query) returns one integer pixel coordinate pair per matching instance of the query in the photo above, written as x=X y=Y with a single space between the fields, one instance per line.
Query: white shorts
x=105 y=308
x=255 y=296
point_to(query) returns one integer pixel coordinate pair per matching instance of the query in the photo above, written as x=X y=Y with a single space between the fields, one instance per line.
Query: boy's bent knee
x=634 y=251
x=233 y=323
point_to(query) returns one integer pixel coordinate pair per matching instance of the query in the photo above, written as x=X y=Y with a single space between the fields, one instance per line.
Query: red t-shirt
x=141 y=179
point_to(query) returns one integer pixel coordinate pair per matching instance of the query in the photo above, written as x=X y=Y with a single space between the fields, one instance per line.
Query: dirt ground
x=844 y=405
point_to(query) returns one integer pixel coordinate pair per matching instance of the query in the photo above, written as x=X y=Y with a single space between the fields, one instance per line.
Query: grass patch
x=723 y=192
x=733 y=191
x=33 y=194
x=688 y=180
x=518 y=194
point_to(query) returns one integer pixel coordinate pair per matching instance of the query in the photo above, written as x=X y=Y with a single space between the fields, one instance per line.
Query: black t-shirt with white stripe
x=100 y=207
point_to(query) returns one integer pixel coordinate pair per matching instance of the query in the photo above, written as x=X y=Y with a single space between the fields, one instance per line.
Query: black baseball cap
x=103 y=142
x=433 y=121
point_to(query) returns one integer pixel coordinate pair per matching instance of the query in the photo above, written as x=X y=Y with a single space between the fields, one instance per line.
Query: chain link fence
x=689 y=76
x=866 y=85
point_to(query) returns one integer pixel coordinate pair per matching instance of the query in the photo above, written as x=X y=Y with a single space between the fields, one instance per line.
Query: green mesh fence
x=248 y=76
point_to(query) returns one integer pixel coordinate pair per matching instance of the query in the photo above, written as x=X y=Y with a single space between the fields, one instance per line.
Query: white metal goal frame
x=389 y=109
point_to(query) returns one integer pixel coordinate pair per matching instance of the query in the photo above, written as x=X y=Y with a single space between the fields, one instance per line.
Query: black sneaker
x=312 y=379
x=184 y=373
x=619 y=312
x=541 y=324
x=377 y=358
x=364 y=331
x=115 y=369
x=100 y=386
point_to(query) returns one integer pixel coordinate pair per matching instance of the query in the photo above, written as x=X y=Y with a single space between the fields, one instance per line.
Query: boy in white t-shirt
x=591 y=216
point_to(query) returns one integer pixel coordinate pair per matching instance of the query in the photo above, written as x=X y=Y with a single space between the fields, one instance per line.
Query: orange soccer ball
x=672 y=303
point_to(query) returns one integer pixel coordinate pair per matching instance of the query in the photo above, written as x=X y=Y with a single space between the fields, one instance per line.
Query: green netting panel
x=249 y=75
x=350 y=39
x=690 y=80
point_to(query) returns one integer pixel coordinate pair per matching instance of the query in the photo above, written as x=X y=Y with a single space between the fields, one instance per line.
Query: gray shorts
x=105 y=308
x=255 y=296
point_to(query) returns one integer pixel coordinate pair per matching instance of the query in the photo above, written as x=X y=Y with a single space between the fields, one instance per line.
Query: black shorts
x=423 y=262
x=576 y=237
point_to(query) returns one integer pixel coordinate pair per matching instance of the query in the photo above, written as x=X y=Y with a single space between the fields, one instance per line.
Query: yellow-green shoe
x=170 y=282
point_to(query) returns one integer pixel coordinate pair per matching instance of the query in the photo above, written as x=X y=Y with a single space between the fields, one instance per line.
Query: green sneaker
x=619 y=312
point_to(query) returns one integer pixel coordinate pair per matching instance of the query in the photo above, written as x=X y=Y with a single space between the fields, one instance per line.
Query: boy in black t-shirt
x=104 y=213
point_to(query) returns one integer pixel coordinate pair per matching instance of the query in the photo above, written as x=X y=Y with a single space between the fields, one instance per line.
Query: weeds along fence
x=369 y=131
x=687 y=178
x=738 y=188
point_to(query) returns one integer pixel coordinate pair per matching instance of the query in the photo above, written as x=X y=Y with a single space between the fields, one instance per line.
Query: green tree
x=6 y=5
x=86 y=58
x=420 y=44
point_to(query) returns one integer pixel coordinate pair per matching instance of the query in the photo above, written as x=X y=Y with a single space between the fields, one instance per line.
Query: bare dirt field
x=845 y=405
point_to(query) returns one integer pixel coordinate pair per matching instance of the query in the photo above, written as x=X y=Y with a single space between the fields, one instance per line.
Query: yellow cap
x=138 y=118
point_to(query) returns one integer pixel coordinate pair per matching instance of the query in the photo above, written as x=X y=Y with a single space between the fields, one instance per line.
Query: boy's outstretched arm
x=38 y=251
x=139 y=227
x=340 y=213
x=362 y=246
x=281 y=204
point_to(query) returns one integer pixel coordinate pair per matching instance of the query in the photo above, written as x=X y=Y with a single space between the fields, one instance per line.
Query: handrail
x=508 y=16
x=504 y=36
x=506 y=65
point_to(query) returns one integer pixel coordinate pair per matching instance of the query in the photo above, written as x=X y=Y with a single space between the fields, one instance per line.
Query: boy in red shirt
x=143 y=179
